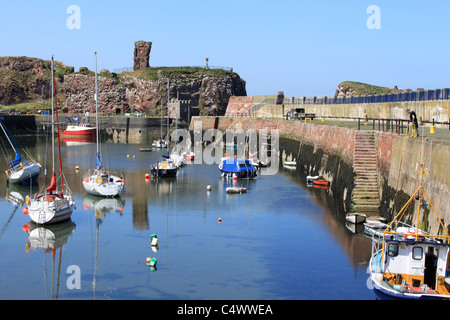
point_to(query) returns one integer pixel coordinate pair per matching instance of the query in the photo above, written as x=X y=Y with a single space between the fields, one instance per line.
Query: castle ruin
x=142 y=55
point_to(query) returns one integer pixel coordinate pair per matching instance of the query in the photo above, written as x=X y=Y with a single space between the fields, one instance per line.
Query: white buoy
x=154 y=241
x=208 y=188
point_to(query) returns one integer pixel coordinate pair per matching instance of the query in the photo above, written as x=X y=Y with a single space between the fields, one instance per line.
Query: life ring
x=99 y=180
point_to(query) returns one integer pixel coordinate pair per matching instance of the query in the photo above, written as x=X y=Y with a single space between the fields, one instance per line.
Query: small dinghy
x=355 y=217
x=321 y=182
x=236 y=190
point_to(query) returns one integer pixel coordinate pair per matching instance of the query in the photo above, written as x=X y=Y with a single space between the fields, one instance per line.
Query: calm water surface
x=280 y=240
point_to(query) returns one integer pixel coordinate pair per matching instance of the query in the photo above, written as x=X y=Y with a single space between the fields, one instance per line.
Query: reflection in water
x=49 y=239
x=101 y=207
x=277 y=241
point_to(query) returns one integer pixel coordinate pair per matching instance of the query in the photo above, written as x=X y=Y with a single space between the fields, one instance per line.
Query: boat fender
x=6 y=171
x=99 y=180
x=86 y=179
x=27 y=200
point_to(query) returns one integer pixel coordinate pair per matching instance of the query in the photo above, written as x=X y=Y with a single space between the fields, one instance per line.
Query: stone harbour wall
x=328 y=150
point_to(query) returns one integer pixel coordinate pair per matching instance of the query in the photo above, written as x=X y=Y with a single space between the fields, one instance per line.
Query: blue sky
x=304 y=48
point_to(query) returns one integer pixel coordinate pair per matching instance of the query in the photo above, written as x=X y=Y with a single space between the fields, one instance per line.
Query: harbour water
x=279 y=241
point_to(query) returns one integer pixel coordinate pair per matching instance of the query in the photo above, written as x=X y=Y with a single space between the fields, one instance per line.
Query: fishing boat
x=51 y=205
x=237 y=169
x=21 y=170
x=355 y=217
x=99 y=181
x=82 y=129
x=407 y=262
x=164 y=169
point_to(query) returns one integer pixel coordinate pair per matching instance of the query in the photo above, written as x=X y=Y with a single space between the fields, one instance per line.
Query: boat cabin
x=417 y=263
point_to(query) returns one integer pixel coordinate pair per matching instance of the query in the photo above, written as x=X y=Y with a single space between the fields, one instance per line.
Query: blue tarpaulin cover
x=15 y=161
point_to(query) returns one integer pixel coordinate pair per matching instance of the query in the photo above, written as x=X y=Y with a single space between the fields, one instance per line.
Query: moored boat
x=51 y=205
x=164 y=169
x=21 y=170
x=236 y=190
x=409 y=263
x=99 y=181
x=321 y=182
x=237 y=169
x=160 y=143
x=355 y=217
x=80 y=130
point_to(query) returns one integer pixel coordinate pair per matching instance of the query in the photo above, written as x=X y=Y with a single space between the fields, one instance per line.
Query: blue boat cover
x=237 y=165
x=99 y=161
x=15 y=161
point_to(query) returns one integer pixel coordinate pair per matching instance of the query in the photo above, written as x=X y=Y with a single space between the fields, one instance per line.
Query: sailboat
x=51 y=205
x=21 y=170
x=101 y=182
x=160 y=142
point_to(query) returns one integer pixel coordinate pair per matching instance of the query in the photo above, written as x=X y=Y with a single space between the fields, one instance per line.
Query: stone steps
x=365 y=195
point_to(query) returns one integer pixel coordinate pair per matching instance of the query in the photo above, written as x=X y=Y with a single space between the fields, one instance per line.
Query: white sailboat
x=160 y=142
x=100 y=182
x=21 y=170
x=50 y=205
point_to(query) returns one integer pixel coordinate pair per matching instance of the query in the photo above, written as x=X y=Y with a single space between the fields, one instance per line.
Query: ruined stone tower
x=142 y=54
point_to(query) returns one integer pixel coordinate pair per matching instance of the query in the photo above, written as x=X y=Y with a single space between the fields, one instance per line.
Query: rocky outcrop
x=352 y=88
x=24 y=79
x=27 y=79
x=79 y=90
x=134 y=93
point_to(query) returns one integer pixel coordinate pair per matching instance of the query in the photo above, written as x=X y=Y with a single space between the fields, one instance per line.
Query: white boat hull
x=106 y=187
x=44 y=211
x=25 y=174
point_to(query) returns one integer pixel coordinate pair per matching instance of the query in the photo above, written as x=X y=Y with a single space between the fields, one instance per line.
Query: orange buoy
x=220 y=220
x=25 y=210
x=86 y=206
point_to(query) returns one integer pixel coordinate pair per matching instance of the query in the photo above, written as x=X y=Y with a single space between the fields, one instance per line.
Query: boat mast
x=12 y=145
x=53 y=120
x=96 y=104
x=57 y=135
x=168 y=95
